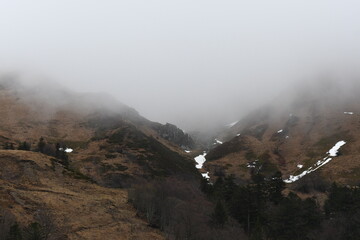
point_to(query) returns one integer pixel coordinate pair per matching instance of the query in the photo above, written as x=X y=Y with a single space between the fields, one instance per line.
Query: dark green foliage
x=15 y=232
x=34 y=232
x=156 y=158
x=275 y=186
x=293 y=218
x=167 y=161
x=41 y=145
x=9 y=146
x=206 y=187
x=57 y=150
x=343 y=208
x=311 y=183
x=219 y=217
x=262 y=210
x=180 y=210
x=24 y=146
x=342 y=200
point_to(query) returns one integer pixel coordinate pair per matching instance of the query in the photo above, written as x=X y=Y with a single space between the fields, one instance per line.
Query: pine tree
x=15 y=232
x=34 y=232
x=219 y=216
x=41 y=145
x=24 y=146
x=57 y=150
x=275 y=187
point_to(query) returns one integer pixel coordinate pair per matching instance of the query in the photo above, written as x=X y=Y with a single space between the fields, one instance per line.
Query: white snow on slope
x=187 y=151
x=280 y=131
x=206 y=175
x=200 y=160
x=348 y=113
x=232 y=124
x=218 y=141
x=300 y=166
x=69 y=150
x=331 y=153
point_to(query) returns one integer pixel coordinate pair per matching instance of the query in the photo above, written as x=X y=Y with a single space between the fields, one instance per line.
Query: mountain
x=294 y=135
x=71 y=158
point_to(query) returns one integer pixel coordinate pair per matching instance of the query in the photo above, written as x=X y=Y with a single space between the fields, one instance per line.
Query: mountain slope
x=32 y=182
x=292 y=135
x=110 y=147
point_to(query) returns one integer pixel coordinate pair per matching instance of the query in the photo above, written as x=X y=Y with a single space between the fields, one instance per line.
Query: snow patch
x=200 y=160
x=252 y=164
x=218 y=141
x=300 y=166
x=331 y=153
x=187 y=151
x=349 y=113
x=238 y=134
x=68 y=150
x=206 y=175
x=232 y=124
x=280 y=131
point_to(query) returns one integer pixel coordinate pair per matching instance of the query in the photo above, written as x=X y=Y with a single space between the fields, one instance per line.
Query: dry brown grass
x=81 y=209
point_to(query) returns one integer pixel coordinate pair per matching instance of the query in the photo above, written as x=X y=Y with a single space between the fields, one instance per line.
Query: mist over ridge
x=197 y=65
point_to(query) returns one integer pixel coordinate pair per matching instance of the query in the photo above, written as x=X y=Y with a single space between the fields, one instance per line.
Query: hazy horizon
x=195 y=64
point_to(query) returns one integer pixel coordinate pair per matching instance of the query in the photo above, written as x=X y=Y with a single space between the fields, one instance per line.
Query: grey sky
x=191 y=63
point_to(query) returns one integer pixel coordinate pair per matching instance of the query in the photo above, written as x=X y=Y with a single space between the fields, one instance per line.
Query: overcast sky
x=191 y=63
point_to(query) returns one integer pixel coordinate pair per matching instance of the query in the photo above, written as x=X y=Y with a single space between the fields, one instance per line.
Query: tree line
x=56 y=150
x=264 y=212
x=42 y=228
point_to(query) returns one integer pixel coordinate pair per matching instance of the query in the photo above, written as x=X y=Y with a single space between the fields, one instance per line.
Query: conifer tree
x=24 y=146
x=41 y=145
x=219 y=216
x=15 y=232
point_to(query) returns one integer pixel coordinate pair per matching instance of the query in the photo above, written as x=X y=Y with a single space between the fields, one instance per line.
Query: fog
x=197 y=64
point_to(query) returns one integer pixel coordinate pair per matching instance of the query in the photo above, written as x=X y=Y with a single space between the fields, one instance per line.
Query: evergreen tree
x=41 y=145
x=57 y=150
x=206 y=187
x=275 y=187
x=15 y=232
x=34 y=232
x=229 y=187
x=7 y=146
x=219 y=216
x=24 y=146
